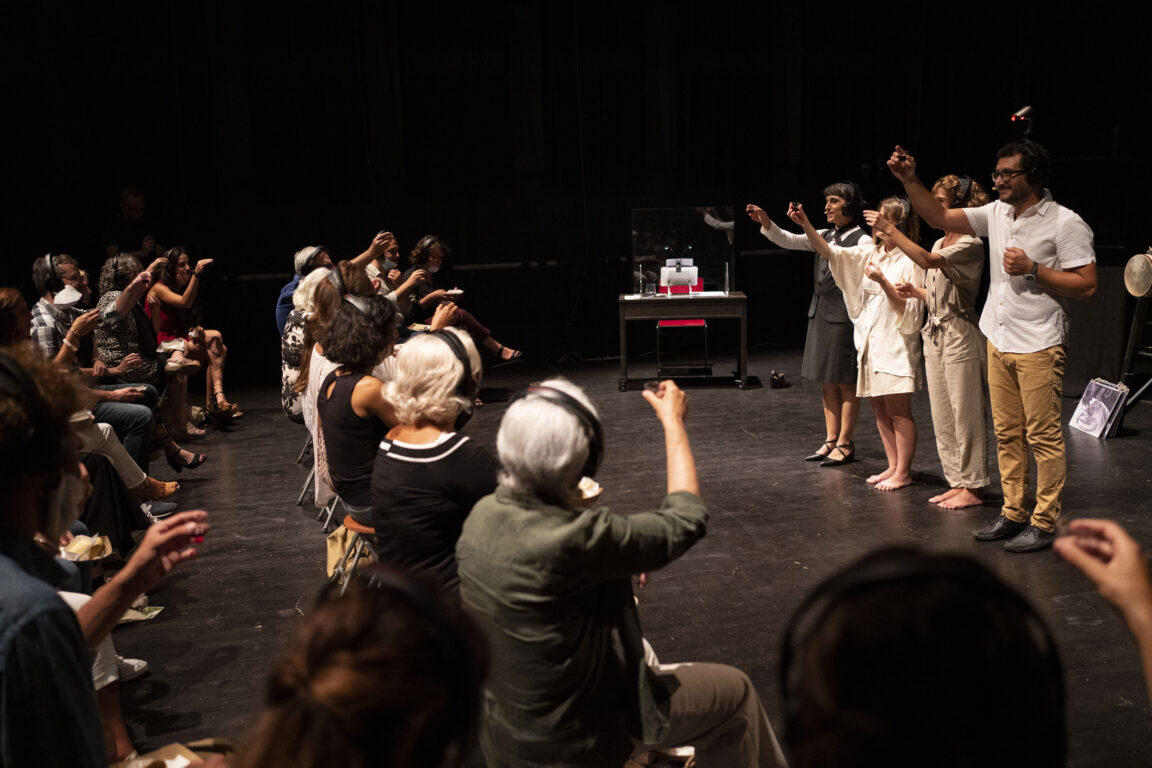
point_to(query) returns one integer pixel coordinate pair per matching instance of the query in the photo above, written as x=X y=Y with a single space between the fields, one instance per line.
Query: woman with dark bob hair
x=350 y=410
x=387 y=674
x=829 y=348
x=429 y=255
x=135 y=337
x=174 y=306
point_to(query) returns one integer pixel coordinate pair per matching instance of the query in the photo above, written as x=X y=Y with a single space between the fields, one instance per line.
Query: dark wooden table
x=681 y=307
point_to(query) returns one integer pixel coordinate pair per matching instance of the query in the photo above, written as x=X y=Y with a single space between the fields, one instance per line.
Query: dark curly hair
x=118 y=272
x=419 y=255
x=11 y=304
x=1033 y=159
x=173 y=255
x=359 y=340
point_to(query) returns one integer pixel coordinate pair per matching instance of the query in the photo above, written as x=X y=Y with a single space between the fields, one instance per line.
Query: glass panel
x=704 y=235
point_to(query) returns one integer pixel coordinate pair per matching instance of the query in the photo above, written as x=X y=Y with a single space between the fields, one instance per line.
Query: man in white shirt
x=1040 y=255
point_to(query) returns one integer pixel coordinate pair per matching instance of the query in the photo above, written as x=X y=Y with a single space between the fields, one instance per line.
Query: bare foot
x=946 y=495
x=965 y=498
x=881 y=477
x=894 y=483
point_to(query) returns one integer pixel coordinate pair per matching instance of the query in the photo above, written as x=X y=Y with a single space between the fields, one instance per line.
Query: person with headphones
x=49 y=710
x=885 y=326
x=550 y=582
x=1040 y=255
x=428 y=257
x=954 y=348
x=829 y=348
x=428 y=474
x=906 y=658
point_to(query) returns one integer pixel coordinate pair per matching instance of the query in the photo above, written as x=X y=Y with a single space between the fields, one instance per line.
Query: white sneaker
x=130 y=669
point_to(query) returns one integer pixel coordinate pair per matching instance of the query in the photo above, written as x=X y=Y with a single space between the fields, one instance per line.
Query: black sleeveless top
x=350 y=442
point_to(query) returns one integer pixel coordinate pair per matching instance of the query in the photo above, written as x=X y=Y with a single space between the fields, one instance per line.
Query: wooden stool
x=353 y=552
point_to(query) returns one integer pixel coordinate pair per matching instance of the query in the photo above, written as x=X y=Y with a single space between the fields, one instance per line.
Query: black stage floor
x=778 y=526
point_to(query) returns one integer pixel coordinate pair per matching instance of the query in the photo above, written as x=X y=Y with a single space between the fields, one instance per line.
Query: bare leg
x=117 y=745
x=849 y=413
x=217 y=353
x=899 y=409
x=174 y=411
x=887 y=436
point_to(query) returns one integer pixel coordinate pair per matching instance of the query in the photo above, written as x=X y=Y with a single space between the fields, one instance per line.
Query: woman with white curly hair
x=428 y=475
x=292 y=342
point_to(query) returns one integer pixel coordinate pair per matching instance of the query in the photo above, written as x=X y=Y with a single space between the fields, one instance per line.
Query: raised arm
x=378 y=246
x=671 y=406
x=903 y=167
x=775 y=234
x=139 y=286
x=186 y=299
x=818 y=243
x=882 y=227
x=1115 y=563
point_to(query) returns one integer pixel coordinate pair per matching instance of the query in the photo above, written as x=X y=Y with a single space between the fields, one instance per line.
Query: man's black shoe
x=1032 y=539
x=1001 y=528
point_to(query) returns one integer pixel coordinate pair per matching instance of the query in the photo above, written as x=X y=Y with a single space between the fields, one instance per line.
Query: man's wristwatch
x=1031 y=276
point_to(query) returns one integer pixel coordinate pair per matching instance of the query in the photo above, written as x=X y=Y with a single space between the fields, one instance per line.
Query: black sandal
x=847 y=454
x=829 y=444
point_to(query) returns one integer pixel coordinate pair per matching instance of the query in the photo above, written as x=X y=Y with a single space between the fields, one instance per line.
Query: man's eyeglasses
x=1007 y=175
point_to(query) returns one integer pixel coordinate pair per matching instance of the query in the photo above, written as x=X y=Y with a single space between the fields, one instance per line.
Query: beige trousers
x=1025 y=390
x=954 y=366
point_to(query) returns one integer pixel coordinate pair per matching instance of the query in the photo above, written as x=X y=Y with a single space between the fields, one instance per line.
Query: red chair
x=663 y=326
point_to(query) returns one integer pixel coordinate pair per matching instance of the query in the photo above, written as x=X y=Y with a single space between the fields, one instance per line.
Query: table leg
x=623 y=351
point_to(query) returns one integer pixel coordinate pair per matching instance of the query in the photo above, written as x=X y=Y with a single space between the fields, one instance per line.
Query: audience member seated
x=94 y=436
x=428 y=475
x=350 y=408
x=386 y=674
x=549 y=582
x=304 y=261
x=132 y=232
x=429 y=255
x=174 y=309
x=388 y=279
x=50 y=710
x=133 y=335
x=1106 y=554
x=63 y=332
x=292 y=343
x=314 y=366
x=908 y=657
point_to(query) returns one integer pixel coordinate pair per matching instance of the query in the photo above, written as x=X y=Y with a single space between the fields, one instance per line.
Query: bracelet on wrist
x=69 y=344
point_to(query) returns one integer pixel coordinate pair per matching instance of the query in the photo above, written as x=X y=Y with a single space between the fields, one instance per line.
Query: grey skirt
x=829 y=352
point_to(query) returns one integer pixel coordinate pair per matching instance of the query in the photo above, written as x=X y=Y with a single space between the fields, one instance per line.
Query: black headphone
x=41 y=450
x=467 y=388
x=964 y=192
x=846 y=585
x=336 y=279
x=54 y=284
x=593 y=431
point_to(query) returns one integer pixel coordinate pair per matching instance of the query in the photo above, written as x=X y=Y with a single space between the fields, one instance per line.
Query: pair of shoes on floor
x=130 y=669
x=1021 y=537
x=181 y=367
x=847 y=454
x=222 y=411
x=177 y=461
x=190 y=432
x=826 y=448
x=152 y=489
x=156 y=511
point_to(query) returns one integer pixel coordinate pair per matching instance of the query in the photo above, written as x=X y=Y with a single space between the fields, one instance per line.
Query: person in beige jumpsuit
x=954 y=348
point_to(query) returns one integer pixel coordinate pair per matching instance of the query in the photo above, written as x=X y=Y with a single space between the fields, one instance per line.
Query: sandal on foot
x=513 y=354
x=827 y=448
x=178 y=462
x=152 y=489
x=847 y=454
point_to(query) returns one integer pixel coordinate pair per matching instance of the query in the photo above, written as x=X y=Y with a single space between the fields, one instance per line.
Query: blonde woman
x=954 y=348
x=885 y=329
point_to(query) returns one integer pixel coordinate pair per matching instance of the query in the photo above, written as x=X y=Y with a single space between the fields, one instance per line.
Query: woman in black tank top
x=352 y=414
